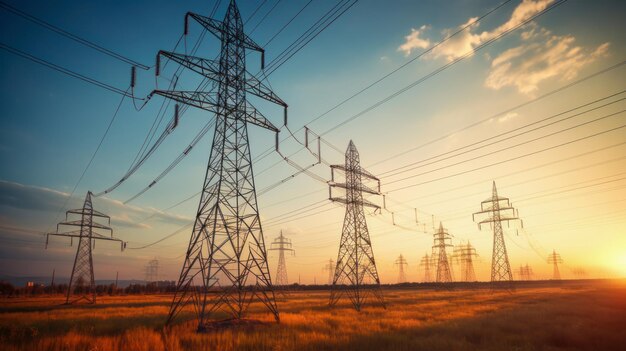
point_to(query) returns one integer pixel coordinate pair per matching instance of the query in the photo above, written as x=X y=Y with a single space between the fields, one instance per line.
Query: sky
x=436 y=145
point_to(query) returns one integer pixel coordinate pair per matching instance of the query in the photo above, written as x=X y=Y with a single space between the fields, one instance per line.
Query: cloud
x=27 y=198
x=507 y=117
x=466 y=41
x=413 y=41
x=540 y=57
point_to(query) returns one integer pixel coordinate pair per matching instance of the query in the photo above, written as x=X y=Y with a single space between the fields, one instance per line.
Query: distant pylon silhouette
x=554 y=259
x=330 y=267
x=425 y=264
x=401 y=262
x=282 y=244
x=441 y=239
x=525 y=272
x=82 y=279
x=495 y=211
x=355 y=260
x=225 y=268
x=464 y=254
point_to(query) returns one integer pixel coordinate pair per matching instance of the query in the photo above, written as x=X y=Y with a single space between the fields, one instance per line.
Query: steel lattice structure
x=464 y=254
x=152 y=271
x=554 y=259
x=495 y=211
x=225 y=268
x=441 y=239
x=401 y=262
x=82 y=279
x=525 y=272
x=426 y=263
x=355 y=272
x=282 y=244
x=330 y=267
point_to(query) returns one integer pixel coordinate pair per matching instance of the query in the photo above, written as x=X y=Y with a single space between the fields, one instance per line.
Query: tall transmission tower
x=425 y=264
x=227 y=249
x=464 y=254
x=82 y=281
x=525 y=273
x=441 y=239
x=282 y=244
x=355 y=274
x=152 y=271
x=495 y=211
x=330 y=267
x=554 y=259
x=401 y=262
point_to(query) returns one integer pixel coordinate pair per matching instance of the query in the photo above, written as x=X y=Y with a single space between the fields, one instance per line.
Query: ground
x=583 y=315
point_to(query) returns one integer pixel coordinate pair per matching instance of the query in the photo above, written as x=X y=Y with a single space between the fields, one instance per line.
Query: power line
x=508 y=160
x=288 y=23
x=63 y=70
x=71 y=36
x=265 y=16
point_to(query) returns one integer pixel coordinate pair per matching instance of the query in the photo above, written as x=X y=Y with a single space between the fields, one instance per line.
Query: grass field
x=573 y=316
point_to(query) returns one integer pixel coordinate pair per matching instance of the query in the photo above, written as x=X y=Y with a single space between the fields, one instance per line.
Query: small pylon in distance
x=282 y=244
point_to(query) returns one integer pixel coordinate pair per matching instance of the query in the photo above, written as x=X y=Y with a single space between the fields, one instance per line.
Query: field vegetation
x=577 y=316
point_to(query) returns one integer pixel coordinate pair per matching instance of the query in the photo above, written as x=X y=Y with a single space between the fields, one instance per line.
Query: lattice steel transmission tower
x=282 y=244
x=441 y=239
x=425 y=264
x=82 y=279
x=525 y=273
x=226 y=267
x=330 y=267
x=465 y=254
x=554 y=259
x=152 y=271
x=401 y=262
x=495 y=211
x=355 y=273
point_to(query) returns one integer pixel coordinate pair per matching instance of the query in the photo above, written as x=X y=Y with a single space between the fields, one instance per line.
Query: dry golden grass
x=590 y=316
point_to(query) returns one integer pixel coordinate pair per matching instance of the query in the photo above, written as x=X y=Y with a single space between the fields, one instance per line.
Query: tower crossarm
x=361 y=171
x=82 y=211
x=211 y=70
x=361 y=187
x=218 y=29
x=79 y=223
x=358 y=202
x=207 y=101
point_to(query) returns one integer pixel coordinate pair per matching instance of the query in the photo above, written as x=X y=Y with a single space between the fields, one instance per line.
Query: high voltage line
x=71 y=36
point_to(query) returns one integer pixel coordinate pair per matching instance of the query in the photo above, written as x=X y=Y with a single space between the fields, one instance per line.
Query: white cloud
x=466 y=41
x=550 y=56
x=413 y=41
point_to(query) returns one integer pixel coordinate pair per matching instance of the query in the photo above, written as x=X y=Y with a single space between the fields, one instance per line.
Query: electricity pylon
x=282 y=244
x=554 y=259
x=425 y=263
x=330 y=267
x=401 y=262
x=495 y=211
x=152 y=270
x=82 y=279
x=464 y=254
x=525 y=273
x=226 y=249
x=441 y=239
x=355 y=273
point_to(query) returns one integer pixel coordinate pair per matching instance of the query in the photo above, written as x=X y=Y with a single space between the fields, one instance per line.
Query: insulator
x=263 y=59
x=176 y=116
x=306 y=137
x=94 y=244
x=187 y=23
x=384 y=202
x=393 y=219
x=158 y=64
x=276 y=141
x=71 y=241
x=187 y=150
x=285 y=118
x=151 y=184
x=133 y=76
x=47 y=236
x=319 y=150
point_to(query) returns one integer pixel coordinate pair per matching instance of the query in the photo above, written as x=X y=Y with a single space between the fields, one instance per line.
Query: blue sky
x=51 y=124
